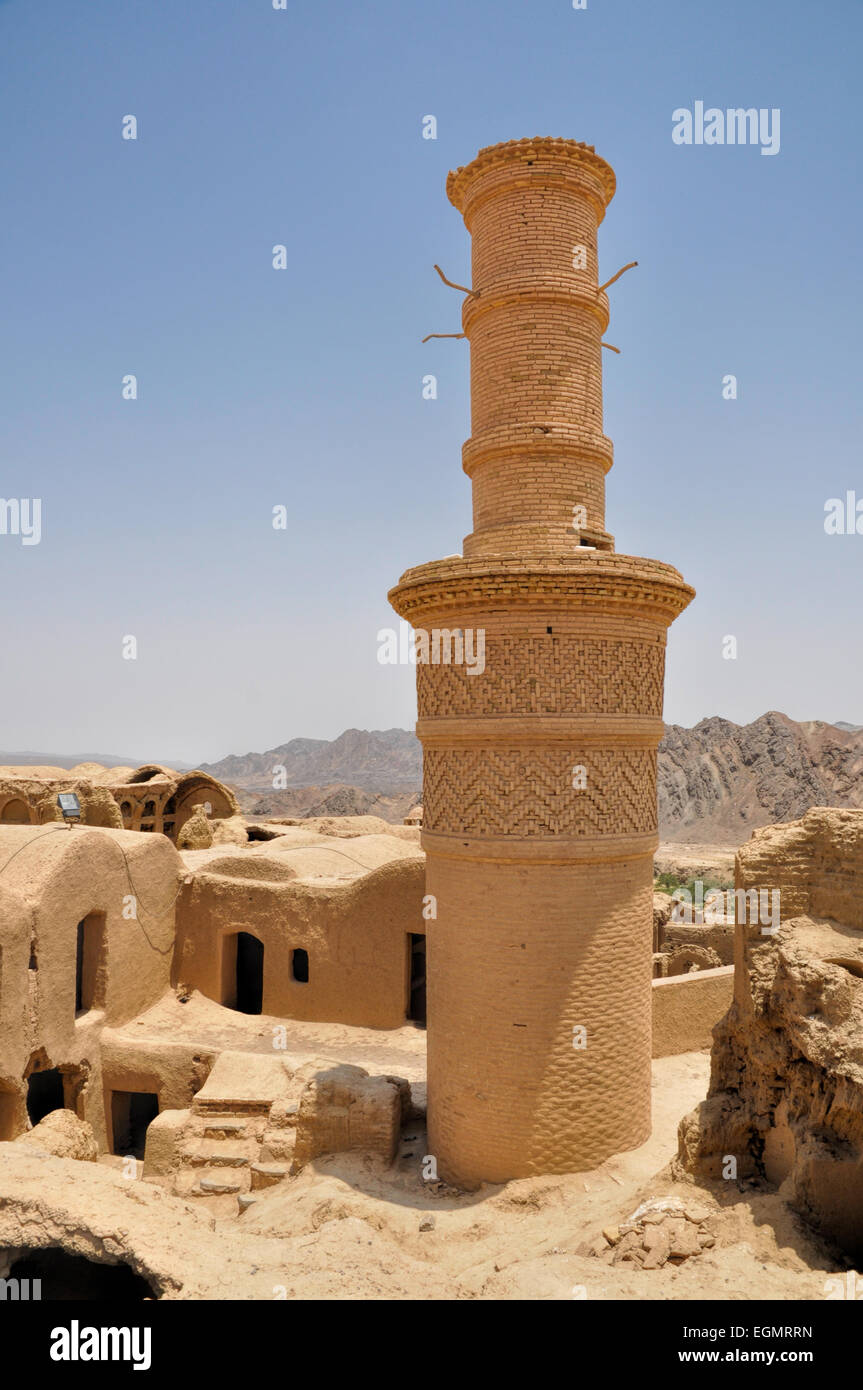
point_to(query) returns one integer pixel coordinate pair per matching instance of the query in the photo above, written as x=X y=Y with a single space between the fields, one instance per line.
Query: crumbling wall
x=816 y=863
x=786 y=1092
x=343 y=1109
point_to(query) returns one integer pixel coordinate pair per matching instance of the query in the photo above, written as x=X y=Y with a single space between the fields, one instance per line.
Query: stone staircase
x=238 y=1137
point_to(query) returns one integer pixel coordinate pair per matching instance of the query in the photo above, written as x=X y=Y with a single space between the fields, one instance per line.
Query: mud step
x=208 y=1108
x=215 y=1159
x=219 y=1124
x=223 y=1208
x=267 y=1175
x=217 y=1187
x=225 y=1129
x=227 y=1153
x=212 y=1182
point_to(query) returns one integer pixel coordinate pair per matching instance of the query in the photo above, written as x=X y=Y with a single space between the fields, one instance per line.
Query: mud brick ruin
x=786 y=1090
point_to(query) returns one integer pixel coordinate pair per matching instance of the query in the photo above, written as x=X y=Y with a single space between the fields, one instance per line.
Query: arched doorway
x=243 y=972
x=15 y=812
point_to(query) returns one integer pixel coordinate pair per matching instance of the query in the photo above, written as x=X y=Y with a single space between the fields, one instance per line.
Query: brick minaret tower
x=539 y=783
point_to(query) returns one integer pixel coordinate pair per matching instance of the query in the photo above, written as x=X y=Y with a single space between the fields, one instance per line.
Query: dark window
x=300 y=966
x=90 y=963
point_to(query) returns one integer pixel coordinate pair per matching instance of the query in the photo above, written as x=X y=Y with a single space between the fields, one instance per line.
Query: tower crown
x=537 y=456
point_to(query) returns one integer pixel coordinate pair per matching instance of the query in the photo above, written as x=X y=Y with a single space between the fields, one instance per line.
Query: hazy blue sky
x=303 y=387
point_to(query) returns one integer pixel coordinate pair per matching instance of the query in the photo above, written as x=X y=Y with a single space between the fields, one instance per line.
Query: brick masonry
x=543 y=888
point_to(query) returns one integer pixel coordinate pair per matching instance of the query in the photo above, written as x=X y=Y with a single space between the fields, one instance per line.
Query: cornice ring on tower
x=563 y=439
x=530 y=295
x=548 y=149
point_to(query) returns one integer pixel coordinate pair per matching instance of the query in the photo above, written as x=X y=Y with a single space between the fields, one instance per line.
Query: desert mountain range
x=718 y=781
x=388 y=760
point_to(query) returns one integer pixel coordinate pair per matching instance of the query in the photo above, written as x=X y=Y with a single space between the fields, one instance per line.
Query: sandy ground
x=349 y=1227
x=530 y=1239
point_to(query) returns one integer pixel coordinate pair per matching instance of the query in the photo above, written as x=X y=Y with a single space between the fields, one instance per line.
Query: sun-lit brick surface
x=543 y=885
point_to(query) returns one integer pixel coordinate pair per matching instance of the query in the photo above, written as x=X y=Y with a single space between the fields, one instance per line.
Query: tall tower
x=539 y=781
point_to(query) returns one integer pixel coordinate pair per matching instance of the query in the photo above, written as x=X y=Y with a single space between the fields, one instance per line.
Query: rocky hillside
x=335 y=800
x=386 y=761
x=717 y=781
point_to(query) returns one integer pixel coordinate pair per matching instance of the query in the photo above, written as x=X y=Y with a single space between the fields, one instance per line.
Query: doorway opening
x=243 y=973
x=417 y=978
x=131 y=1113
x=44 y=1094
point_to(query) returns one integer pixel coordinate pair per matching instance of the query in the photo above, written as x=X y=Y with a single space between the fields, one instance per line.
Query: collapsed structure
x=786 y=1093
x=539 y=774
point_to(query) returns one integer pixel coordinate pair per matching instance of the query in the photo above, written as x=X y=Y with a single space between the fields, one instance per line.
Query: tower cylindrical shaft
x=539 y=777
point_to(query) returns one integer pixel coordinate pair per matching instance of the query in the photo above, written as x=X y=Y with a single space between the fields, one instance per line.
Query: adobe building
x=307 y=927
x=149 y=798
x=99 y=926
x=539 y=781
x=87 y=930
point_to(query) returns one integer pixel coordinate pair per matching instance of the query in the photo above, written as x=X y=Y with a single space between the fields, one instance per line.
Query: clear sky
x=302 y=387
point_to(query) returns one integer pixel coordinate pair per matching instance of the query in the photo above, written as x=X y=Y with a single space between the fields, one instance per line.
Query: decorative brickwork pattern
x=482 y=791
x=551 y=675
